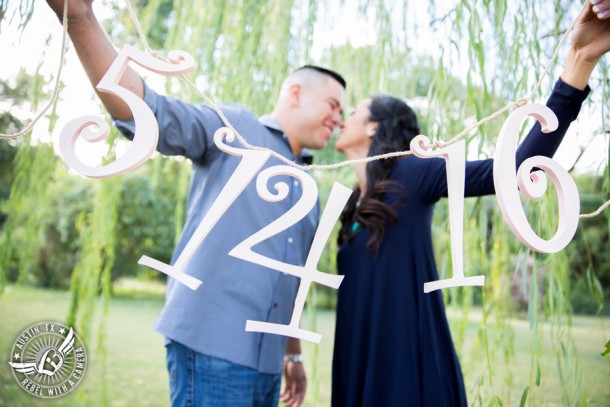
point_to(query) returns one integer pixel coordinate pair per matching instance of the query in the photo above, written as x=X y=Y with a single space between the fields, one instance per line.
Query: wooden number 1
x=455 y=157
x=250 y=164
x=147 y=131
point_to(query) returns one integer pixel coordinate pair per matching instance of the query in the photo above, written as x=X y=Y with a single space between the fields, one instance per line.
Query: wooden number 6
x=147 y=131
x=533 y=184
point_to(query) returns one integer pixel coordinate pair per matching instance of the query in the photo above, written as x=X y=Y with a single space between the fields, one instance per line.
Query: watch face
x=294 y=358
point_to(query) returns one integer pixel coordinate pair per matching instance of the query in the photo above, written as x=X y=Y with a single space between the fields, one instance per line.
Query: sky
x=26 y=51
x=78 y=98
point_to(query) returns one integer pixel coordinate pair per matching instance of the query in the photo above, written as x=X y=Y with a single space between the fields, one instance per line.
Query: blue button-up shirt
x=212 y=319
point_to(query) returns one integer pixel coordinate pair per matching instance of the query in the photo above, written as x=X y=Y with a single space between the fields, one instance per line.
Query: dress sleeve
x=565 y=101
x=184 y=129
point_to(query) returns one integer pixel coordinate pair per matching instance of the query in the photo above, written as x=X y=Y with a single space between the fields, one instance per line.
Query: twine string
x=55 y=95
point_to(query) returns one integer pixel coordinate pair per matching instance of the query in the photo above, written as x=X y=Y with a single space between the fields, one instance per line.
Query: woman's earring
x=370 y=132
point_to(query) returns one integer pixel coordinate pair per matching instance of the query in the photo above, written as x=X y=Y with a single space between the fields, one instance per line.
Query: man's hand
x=97 y=53
x=294 y=384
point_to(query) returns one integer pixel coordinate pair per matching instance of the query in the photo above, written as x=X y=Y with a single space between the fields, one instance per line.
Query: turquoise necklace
x=356 y=224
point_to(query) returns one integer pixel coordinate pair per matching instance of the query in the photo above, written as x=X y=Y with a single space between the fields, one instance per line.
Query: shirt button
x=275 y=305
x=290 y=240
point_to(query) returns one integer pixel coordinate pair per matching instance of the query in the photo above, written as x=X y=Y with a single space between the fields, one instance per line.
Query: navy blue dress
x=393 y=345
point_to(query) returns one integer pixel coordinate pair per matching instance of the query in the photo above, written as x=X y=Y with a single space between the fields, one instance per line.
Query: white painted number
x=309 y=272
x=250 y=164
x=455 y=157
x=147 y=131
x=533 y=184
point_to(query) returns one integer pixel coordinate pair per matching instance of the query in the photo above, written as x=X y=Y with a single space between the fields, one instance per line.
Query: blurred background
x=69 y=246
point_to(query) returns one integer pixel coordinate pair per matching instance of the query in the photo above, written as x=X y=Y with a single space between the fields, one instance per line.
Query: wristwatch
x=294 y=358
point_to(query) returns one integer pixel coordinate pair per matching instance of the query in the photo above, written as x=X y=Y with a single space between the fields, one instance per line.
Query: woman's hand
x=591 y=34
x=590 y=41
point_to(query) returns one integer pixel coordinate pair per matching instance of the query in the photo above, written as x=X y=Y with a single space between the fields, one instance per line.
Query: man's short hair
x=324 y=71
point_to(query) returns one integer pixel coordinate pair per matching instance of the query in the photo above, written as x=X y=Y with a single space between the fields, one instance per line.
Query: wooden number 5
x=147 y=131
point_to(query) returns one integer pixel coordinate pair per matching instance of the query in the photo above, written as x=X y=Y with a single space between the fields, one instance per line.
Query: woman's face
x=356 y=132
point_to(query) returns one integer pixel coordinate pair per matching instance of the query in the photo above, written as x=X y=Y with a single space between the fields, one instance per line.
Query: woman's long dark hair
x=397 y=126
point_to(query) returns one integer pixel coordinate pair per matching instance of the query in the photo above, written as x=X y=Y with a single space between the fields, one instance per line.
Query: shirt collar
x=306 y=157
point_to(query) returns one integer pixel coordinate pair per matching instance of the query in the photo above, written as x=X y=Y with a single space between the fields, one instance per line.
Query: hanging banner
x=528 y=179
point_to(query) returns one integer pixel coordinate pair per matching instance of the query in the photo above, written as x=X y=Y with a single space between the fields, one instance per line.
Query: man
x=211 y=359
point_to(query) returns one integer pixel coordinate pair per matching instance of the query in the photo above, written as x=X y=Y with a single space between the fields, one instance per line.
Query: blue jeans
x=200 y=380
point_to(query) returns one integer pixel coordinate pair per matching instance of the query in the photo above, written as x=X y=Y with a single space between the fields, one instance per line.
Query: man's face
x=320 y=111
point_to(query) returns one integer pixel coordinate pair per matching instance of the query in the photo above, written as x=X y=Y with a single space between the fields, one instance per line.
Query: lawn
x=136 y=374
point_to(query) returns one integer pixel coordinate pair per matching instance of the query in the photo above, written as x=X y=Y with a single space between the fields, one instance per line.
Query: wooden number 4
x=309 y=272
x=250 y=164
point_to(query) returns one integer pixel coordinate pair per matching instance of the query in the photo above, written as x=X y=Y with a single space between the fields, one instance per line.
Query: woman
x=393 y=345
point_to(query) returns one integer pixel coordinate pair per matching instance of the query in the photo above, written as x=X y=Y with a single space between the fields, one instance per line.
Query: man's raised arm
x=96 y=52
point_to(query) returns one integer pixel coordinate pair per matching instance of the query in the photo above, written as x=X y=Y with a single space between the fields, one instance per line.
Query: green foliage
x=22 y=12
x=65 y=216
x=7 y=155
x=145 y=224
x=16 y=89
x=589 y=253
x=23 y=231
x=92 y=272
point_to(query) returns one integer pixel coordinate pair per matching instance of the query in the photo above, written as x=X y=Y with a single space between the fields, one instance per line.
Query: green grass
x=136 y=374
x=511 y=375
